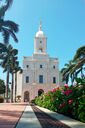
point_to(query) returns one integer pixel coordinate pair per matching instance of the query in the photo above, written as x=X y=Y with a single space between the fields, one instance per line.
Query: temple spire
x=40 y=27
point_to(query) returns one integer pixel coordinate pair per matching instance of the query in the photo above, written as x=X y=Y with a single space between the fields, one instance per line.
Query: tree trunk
x=12 y=83
x=15 y=85
x=7 y=85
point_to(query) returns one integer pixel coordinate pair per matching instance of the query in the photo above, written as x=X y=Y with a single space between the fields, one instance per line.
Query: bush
x=18 y=98
x=1 y=99
x=69 y=100
x=32 y=101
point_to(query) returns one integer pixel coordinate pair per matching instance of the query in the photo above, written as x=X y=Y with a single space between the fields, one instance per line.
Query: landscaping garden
x=68 y=100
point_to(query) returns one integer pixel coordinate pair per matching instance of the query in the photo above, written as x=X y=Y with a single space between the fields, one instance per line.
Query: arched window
x=26 y=96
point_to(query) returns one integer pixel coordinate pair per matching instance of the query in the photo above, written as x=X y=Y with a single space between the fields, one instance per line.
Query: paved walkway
x=64 y=119
x=28 y=119
x=10 y=114
x=33 y=117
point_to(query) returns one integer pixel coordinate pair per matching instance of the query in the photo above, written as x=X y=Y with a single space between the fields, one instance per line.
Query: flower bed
x=68 y=100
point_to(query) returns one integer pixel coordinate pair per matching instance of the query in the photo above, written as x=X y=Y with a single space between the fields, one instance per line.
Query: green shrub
x=68 y=100
x=1 y=99
x=32 y=101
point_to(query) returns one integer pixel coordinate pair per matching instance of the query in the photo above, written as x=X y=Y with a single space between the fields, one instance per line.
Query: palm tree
x=66 y=72
x=79 y=58
x=7 y=62
x=65 y=77
x=7 y=28
x=12 y=71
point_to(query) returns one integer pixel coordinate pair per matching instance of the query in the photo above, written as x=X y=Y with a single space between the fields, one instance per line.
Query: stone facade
x=40 y=72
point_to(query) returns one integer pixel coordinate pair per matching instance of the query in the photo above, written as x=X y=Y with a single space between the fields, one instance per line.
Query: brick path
x=10 y=114
x=47 y=121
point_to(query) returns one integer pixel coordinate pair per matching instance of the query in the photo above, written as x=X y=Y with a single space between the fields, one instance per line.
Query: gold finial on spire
x=40 y=27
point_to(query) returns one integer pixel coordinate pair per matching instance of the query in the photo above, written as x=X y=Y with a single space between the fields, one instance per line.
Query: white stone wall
x=19 y=85
x=34 y=71
x=33 y=89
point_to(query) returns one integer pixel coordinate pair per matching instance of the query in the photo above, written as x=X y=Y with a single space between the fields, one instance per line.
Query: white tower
x=40 y=42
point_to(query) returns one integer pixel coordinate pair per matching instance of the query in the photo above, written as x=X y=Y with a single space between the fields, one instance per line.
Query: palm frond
x=12 y=25
x=79 y=65
x=80 y=53
x=6 y=35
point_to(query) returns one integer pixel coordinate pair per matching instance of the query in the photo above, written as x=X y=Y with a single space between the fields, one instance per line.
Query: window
x=40 y=66
x=27 y=79
x=41 y=79
x=27 y=66
x=40 y=41
x=54 y=80
x=54 y=67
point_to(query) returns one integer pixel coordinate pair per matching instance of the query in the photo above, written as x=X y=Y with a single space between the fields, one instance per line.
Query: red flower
x=79 y=86
x=70 y=101
x=66 y=85
x=51 y=99
x=43 y=98
x=60 y=105
x=63 y=104
x=67 y=92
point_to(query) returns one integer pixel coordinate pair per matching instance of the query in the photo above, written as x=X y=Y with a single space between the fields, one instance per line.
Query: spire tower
x=40 y=42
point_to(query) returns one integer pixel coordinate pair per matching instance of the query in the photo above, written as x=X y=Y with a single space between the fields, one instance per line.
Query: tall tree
x=7 y=61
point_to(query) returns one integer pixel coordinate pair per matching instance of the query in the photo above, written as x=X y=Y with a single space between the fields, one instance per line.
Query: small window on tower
x=40 y=41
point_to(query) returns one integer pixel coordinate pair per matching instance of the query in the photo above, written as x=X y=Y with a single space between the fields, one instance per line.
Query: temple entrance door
x=40 y=92
x=26 y=96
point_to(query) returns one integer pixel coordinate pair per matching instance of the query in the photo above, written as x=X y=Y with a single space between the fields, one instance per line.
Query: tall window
x=54 y=67
x=40 y=41
x=54 y=80
x=27 y=79
x=41 y=79
x=40 y=66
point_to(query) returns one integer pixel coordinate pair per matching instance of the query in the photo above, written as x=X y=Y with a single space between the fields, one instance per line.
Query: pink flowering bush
x=68 y=100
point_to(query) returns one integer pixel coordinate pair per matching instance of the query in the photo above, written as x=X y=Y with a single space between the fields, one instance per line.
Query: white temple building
x=40 y=72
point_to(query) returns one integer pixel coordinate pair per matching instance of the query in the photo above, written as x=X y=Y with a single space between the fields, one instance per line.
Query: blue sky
x=63 y=22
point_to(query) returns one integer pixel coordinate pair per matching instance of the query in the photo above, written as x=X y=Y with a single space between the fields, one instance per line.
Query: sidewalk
x=64 y=119
x=10 y=114
x=28 y=119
